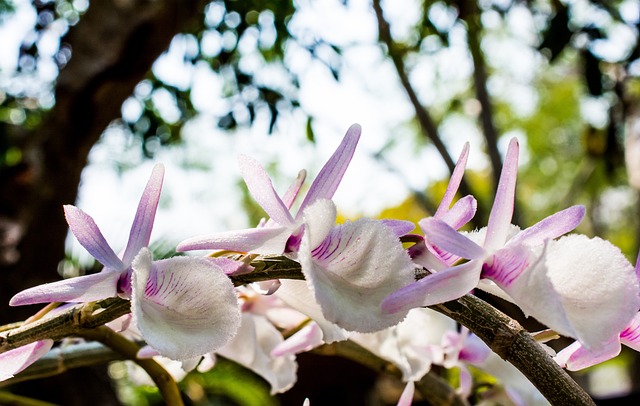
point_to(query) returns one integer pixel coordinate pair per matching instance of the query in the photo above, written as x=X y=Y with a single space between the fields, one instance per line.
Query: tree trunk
x=113 y=48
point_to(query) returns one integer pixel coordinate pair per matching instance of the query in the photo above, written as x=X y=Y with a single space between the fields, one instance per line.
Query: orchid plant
x=367 y=282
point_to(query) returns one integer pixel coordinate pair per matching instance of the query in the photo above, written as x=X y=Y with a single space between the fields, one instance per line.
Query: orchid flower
x=576 y=356
x=282 y=232
x=429 y=255
x=17 y=360
x=462 y=348
x=557 y=282
x=183 y=306
x=257 y=339
x=352 y=266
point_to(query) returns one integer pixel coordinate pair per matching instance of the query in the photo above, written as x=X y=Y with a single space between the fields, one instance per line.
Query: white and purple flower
x=183 y=306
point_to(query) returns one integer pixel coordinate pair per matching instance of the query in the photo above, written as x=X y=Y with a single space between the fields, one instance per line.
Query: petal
x=460 y=213
x=551 y=227
x=89 y=236
x=442 y=286
x=303 y=340
x=291 y=194
x=183 y=306
x=534 y=293
x=630 y=336
x=231 y=267
x=353 y=270
x=327 y=181
x=262 y=190
x=507 y=264
x=17 y=360
x=143 y=222
x=576 y=356
x=454 y=183
x=407 y=394
x=321 y=215
x=597 y=285
x=448 y=239
x=265 y=240
x=297 y=295
x=502 y=210
x=399 y=227
x=80 y=289
x=252 y=348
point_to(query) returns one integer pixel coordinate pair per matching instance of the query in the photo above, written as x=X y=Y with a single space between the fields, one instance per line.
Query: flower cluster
x=361 y=282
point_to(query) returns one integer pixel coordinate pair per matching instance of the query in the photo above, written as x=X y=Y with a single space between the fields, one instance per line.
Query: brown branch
x=507 y=338
x=501 y=333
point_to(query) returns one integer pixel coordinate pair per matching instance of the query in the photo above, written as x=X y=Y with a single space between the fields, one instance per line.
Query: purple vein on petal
x=89 y=236
x=142 y=226
x=502 y=210
x=454 y=183
x=327 y=181
x=261 y=188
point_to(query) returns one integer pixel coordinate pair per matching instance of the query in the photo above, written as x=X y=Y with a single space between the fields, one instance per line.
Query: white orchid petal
x=534 y=293
x=406 y=398
x=303 y=340
x=576 y=357
x=265 y=240
x=17 y=360
x=597 y=284
x=77 y=290
x=252 y=348
x=322 y=214
x=353 y=270
x=297 y=295
x=183 y=306
x=442 y=286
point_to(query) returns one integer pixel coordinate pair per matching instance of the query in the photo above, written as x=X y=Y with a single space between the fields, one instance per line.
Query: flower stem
x=165 y=382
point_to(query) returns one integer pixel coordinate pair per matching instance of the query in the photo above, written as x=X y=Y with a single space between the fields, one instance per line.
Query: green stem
x=165 y=382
